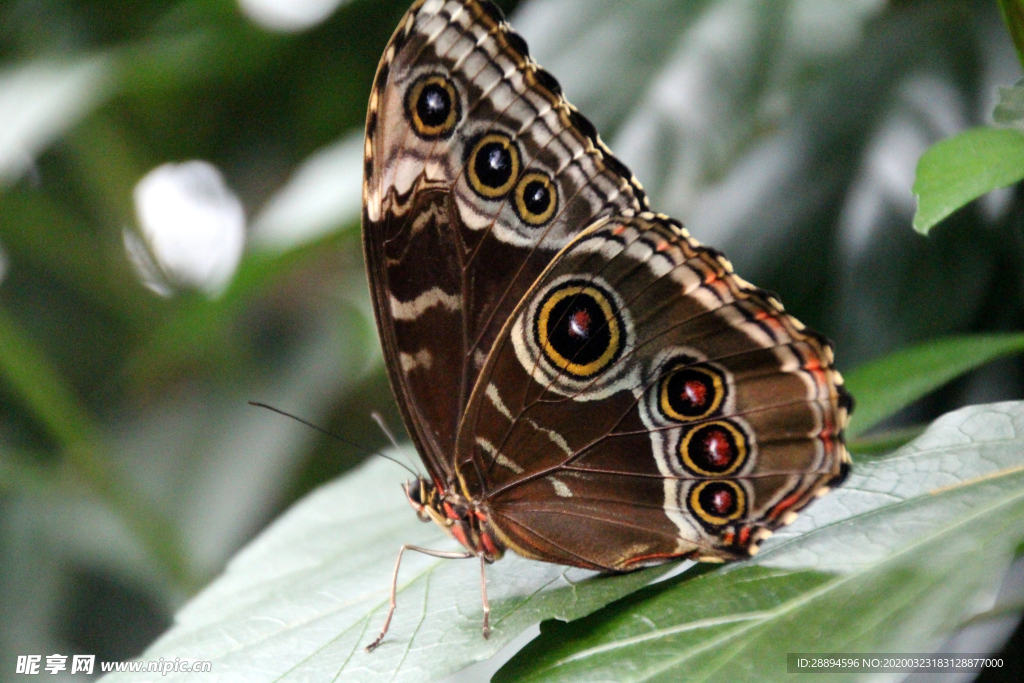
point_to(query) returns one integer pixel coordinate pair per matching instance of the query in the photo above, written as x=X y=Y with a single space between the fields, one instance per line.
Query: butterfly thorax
x=463 y=519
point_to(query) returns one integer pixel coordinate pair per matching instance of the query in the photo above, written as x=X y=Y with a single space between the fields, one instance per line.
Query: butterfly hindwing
x=477 y=172
x=645 y=403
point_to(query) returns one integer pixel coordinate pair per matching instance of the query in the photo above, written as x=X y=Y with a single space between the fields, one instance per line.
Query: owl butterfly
x=585 y=383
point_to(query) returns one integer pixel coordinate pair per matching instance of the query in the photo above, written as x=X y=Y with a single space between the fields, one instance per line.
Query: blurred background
x=179 y=205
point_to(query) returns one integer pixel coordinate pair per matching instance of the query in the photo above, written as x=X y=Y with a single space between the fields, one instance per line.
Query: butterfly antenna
x=365 y=449
x=379 y=419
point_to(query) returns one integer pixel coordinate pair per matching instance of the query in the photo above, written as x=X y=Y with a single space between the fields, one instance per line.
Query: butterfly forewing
x=647 y=400
x=477 y=172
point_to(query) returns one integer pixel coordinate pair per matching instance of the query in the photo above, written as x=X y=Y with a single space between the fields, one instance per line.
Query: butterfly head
x=424 y=497
x=463 y=519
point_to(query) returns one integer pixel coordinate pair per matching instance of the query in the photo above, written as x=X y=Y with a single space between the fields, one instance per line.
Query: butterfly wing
x=645 y=403
x=477 y=172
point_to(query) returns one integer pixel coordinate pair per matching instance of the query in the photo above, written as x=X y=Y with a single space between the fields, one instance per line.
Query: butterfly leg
x=483 y=594
x=394 y=586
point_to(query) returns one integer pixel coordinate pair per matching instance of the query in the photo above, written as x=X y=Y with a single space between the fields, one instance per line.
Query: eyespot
x=579 y=329
x=717 y=503
x=715 y=449
x=433 y=107
x=493 y=166
x=691 y=392
x=536 y=198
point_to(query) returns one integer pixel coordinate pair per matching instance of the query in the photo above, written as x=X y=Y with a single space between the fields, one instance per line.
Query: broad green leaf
x=910 y=549
x=308 y=595
x=964 y=167
x=885 y=386
x=1013 y=16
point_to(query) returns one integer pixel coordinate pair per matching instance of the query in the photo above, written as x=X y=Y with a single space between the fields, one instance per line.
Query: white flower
x=192 y=225
x=288 y=15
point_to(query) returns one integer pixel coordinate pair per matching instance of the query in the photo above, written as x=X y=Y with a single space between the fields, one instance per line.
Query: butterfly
x=585 y=383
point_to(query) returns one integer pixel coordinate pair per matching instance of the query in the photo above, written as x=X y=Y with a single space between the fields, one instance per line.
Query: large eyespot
x=432 y=105
x=715 y=449
x=536 y=198
x=493 y=166
x=579 y=329
x=690 y=393
x=717 y=503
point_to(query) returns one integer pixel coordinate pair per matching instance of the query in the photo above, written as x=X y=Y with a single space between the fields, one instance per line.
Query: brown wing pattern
x=645 y=403
x=477 y=172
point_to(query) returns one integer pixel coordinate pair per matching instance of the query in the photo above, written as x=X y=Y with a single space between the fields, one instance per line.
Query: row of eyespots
x=715 y=449
x=579 y=330
x=544 y=79
x=433 y=108
x=493 y=167
x=689 y=392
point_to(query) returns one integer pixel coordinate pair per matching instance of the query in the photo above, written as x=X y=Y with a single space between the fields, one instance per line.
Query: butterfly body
x=585 y=383
x=464 y=519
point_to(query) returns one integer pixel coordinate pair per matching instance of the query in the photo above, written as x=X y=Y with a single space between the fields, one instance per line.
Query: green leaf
x=910 y=549
x=1013 y=16
x=885 y=386
x=304 y=599
x=964 y=167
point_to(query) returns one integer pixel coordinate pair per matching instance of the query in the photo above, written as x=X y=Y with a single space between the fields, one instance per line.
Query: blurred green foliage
x=104 y=383
x=131 y=467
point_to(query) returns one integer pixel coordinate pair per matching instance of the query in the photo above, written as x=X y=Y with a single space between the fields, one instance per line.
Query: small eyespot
x=432 y=105
x=493 y=166
x=717 y=503
x=691 y=392
x=536 y=198
x=714 y=449
x=579 y=329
